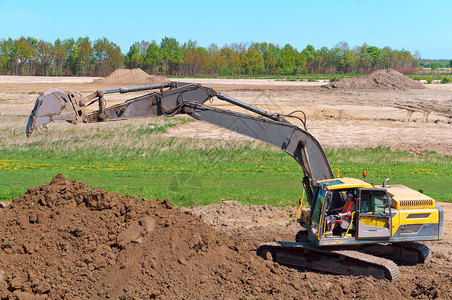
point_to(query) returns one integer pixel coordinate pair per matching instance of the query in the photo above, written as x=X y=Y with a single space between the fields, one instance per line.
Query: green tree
x=345 y=60
x=153 y=58
x=271 y=54
x=435 y=65
x=29 y=56
x=364 y=59
x=253 y=61
x=385 y=58
x=59 y=55
x=45 y=59
x=6 y=54
x=86 y=56
x=171 y=54
x=214 y=60
x=22 y=56
x=289 y=60
x=72 y=63
x=135 y=56
x=375 y=57
x=194 y=58
x=309 y=55
x=108 y=56
x=233 y=57
x=115 y=57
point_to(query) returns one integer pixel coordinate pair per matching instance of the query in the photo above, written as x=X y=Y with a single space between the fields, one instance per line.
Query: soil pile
x=382 y=79
x=131 y=77
x=70 y=240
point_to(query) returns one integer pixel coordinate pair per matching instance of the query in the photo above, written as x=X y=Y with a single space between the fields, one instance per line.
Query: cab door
x=374 y=214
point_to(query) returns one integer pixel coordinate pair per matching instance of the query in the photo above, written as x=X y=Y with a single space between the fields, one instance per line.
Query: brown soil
x=131 y=77
x=256 y=224
x=70 y=240
x=381 y=79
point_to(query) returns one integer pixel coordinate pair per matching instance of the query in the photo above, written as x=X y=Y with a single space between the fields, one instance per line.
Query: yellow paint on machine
x=414 y=216
x=347 y=183
x=405 y=198
x=374 y=221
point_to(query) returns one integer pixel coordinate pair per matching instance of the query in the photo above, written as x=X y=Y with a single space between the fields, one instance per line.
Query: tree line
x=435 y=64
x=83 y=57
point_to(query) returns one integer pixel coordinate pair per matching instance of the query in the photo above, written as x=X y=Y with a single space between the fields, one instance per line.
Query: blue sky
x=412 y=25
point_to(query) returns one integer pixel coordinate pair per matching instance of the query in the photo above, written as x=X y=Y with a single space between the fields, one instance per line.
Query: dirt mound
x=70 y=240
x=381 y=79
x=131 y=77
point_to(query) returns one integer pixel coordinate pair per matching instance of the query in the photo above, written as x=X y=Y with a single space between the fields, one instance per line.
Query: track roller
x=345 y=262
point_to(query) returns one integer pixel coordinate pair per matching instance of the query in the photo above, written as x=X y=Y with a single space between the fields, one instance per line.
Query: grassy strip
x=186 y=176
x=432 y=78
x=133 y=157
x=202 y=176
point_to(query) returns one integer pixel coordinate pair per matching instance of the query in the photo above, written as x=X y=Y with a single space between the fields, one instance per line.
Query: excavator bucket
x=53 y=104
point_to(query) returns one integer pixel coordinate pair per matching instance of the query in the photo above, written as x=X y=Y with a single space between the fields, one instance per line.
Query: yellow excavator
x=386 y=226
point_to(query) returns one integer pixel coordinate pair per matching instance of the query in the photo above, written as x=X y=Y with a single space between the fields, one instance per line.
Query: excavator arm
x=184 y=98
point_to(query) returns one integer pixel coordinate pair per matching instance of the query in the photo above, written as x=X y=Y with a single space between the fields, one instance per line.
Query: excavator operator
x=343 y=216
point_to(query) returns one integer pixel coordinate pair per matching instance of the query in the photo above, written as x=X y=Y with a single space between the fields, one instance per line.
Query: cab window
x=338 y=199
x=373 y=202
x=315 y=215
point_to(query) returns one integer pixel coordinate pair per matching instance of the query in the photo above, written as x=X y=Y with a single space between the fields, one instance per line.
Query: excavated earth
x=130 y=77
x=381 y=79
x=70 y=240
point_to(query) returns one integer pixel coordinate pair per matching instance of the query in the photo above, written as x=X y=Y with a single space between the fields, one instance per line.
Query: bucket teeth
x=53 y=104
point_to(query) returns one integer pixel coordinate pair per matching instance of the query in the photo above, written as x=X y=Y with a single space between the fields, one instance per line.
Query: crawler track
x=346 y=262
x=424 y=252
x=403 y=253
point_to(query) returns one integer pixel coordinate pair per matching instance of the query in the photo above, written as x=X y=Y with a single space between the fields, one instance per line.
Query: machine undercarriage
x=377 y=260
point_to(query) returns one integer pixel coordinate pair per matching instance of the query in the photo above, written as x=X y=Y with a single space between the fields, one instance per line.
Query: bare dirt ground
x=63 y=240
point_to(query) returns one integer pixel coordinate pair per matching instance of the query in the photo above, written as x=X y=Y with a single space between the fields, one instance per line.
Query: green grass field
x=133 y=157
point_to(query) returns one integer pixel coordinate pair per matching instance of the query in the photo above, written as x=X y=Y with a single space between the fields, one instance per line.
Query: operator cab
x=368 y=219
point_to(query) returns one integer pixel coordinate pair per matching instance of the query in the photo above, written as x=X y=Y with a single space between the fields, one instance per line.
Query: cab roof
x=344 y=183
